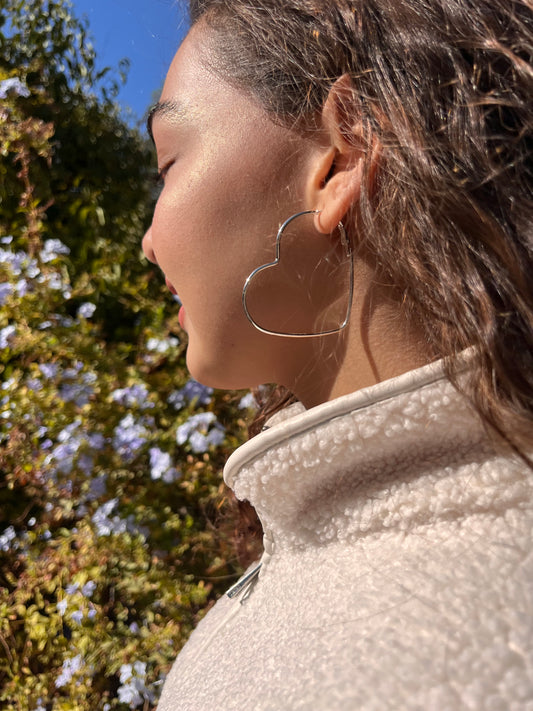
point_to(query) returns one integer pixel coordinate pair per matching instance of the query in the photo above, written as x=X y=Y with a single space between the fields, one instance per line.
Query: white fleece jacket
x=398 y=565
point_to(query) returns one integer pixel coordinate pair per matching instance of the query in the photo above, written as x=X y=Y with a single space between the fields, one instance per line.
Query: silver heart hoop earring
x=345 y=243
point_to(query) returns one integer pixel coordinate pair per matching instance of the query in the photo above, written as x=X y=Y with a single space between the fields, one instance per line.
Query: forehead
x=191 y=89
x=190 y=65
x=193 y=92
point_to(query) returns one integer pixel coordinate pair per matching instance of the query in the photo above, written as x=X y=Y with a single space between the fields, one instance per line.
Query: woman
x=347 y=212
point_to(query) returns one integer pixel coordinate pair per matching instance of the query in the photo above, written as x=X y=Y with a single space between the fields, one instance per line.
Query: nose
x=147 y=246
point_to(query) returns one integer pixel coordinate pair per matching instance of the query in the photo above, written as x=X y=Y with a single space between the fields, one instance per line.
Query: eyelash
x=159 y=177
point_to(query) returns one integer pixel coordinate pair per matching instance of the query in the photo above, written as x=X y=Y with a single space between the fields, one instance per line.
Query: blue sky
x=147 y=32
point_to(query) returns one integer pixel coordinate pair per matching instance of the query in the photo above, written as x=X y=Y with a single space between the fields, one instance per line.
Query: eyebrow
x=162 y=108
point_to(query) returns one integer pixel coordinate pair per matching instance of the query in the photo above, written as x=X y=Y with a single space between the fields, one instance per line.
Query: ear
x=335 y=183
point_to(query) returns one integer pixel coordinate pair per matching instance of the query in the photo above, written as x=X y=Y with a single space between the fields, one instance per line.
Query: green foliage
x=110 y=457
x=97 y=193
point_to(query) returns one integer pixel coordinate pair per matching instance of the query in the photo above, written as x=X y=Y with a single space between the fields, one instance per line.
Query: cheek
x=216 y=221
x=202 y=249
x=202 y=223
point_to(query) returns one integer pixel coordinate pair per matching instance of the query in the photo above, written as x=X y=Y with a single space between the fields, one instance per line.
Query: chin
x=220 y=373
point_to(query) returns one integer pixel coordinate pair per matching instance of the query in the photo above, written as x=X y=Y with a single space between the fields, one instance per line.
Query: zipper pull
x=244 y=583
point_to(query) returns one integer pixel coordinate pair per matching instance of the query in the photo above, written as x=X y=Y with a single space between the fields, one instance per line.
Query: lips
x=171 y=288
x=173 y=291
x=181 y=318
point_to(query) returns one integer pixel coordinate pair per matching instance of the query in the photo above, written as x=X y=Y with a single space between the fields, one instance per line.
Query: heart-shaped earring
x=344 y=311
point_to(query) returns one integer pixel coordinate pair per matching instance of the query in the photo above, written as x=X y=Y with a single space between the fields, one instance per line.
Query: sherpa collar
x=403 y=453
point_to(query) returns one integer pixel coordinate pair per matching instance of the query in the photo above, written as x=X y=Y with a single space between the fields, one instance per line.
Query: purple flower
x=6 y=537
x=89 y=588
x=125 y=673
x=15 y=86
x=96 y=441
x=140 y=668
x=193 y=393
x=216 y=436
x=34 y=384
x=77 y=617
x=86 y=463
x=129 y=694
x=54 y=280
x=97 y=487
x=159 y=462
x=73 y=371
x=202 y=420
x=132 y=396
x=52 y=249
x=161 y=466
x=17 y=261
x=49 y=370
x=199 y=433
x=6 y=289
x=5 y=335
x=161 y=345
x=72 y=588
x=86 y=310
x=32 y=269
x=68 y=450
x=70 y=667
x=201 y=442
x=64 y=454
x=198 y=442
x=9 y=384
x=62 y=606
x=247 y=402
x=77 y=392
x=129 y=437
x=67 y=432
x=133 y=689
x=106 y=525
x=22 y=287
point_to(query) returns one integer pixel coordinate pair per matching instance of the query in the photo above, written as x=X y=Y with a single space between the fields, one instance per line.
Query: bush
x=110 y=455
x=110 y=485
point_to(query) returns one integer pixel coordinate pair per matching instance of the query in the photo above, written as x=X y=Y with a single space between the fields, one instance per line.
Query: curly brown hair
x=446 y=86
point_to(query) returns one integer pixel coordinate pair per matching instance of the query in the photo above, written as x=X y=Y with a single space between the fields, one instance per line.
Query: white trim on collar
x=308 y=419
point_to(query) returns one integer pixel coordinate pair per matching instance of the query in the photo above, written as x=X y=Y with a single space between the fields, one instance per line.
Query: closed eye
x=159 y=177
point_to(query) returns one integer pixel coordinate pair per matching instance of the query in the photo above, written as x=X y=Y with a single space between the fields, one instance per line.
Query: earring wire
x=346 y=244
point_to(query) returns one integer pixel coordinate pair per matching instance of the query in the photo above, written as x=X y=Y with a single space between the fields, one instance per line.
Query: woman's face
x=231 y=177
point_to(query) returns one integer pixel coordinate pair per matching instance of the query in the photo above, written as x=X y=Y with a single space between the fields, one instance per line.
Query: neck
x=378 y=344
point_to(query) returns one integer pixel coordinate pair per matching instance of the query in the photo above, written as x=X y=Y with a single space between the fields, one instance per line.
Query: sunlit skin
x=231 y=177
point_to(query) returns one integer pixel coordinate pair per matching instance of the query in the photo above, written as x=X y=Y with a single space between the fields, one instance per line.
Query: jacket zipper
x=244 y=584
